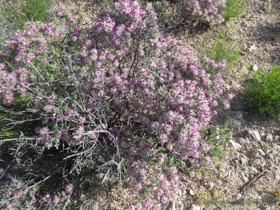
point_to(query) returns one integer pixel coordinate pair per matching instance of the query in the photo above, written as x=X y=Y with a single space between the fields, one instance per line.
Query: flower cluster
x=205 y=9
x=165 y=185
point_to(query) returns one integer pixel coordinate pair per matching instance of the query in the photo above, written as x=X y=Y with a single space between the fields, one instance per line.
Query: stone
x=237 y=114
x=243 y=161
x=277 y=174
x=214 y=130
x=177 y=206
x=252 y=48
x=194 y=207
x=257 y=155
x=262 y=134
x=267 y=150
x=267 y=8
x=253 y=171
x=192 y=192
x=264 y=124
x=253 y=135
x=261 y=152
x=244 y=47
x=277 y=160
x=276 y=146
x=244 y=178
x=274 y=151
x=233 y=122
x=269 y=156
x=211 y=184
x=238 y=196
x=268 y=138
x=255 y=117
x=257 y=163
x=255 y=68
x=235 y=144
x=224 y=173
x=245 y=23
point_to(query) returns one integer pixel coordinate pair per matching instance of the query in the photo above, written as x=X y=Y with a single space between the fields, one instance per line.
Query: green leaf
x=65 y=31
x=57 y=21
x=57 y=47
x=51 y=77
x=10 y=65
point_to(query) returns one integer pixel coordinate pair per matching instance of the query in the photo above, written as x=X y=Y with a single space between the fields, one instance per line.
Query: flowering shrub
x=113 y=93
x=206 y=10
x=161 y=8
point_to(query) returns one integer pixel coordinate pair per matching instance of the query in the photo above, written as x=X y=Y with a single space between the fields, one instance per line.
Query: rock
x=269 y=156
x=275 y=36
x=277 y=174
x=267 y=8
x=264 y=124
x=227 y=86
x=257 y=155
x=235 y=144
x=244 y=47
x=253 y=135
x=252 y=171
x=262 y=134
x=277 y=160
x=215 y=130
x=255 y=117
x=238 y=196
x=257 y=163
x=237 y=115
x=243 y=161
x=274 y=151
x=233 y=122
x=252 y=48
x=245 y=23
x=177 y=206
x=267 y=150
x=228 y=24
x=194 y=207
x=277 y=147
x=244 y=178
x=224 y=173
x=260 y=152
x=192 y=192
x=255 y=68
x=268 y=138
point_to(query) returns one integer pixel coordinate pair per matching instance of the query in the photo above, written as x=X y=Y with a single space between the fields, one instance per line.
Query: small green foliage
x=262 y=91
x=28 y=10
x=220 y=49
x=234 y=9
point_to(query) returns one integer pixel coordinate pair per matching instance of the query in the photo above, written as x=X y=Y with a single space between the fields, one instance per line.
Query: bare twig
x=256 y=178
